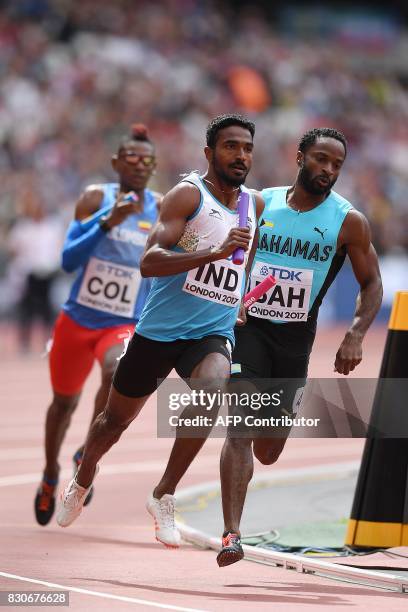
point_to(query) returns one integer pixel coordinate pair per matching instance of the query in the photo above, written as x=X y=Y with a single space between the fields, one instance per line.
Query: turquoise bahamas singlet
x=299 y=250
x=203 y=301
x=109 y=289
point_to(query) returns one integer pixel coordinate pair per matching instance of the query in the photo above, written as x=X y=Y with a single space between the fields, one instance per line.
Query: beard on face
x=234 y=181
x=309 y=183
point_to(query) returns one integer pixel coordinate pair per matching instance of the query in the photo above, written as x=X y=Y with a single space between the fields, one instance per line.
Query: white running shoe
x=72 y=500
x=162 y=510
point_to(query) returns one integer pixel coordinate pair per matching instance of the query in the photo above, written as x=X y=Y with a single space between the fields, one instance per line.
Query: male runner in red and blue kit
x=104 y=245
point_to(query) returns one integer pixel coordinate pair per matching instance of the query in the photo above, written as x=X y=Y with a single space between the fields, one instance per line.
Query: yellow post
x=379 y=516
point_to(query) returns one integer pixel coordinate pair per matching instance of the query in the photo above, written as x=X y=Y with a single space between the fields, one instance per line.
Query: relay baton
x=243 y=203
x=129 y=197
x=258 y=291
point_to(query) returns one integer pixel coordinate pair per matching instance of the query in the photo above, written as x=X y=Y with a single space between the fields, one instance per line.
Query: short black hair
x=309 y=138
x=138 y=133
x=224 y=121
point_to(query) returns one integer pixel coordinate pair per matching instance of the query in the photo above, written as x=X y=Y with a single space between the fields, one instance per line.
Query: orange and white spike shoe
x=162 y=511
x=72 y=501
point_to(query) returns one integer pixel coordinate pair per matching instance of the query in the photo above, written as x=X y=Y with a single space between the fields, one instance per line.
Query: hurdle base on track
x=289 y=561
x=379 y=580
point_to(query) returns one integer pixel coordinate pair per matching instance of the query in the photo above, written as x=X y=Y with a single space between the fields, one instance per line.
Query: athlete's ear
x=153 y=168
x=114 y=162
x=300 y=159
x=209 y=153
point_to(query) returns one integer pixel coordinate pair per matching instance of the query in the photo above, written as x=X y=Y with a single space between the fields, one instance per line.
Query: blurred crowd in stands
x=75 y=75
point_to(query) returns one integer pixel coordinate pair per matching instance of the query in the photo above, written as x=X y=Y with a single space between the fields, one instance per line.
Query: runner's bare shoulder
x=181 y=201
x=89 y=201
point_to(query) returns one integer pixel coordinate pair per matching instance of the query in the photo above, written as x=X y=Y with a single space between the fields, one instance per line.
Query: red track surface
x=111 y=549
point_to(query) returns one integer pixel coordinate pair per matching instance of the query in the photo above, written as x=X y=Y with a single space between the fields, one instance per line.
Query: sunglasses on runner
x=133 y=158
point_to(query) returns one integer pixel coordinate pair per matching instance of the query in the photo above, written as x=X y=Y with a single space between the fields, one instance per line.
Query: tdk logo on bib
x=286 y=274
x=114 y=271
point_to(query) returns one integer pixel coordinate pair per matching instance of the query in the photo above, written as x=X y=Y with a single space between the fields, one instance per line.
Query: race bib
x=217 y=282
x=110 y=287
x=289 y=299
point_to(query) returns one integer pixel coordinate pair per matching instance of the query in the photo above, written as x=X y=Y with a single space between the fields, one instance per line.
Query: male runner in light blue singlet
x=188 y=319
x=305 y=233
x=104 y=245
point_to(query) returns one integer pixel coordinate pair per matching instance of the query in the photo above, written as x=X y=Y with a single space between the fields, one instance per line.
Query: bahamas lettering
x=294 y=247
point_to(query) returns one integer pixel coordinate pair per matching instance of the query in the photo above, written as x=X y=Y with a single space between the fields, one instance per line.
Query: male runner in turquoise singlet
x=188 y=319
x=305 y=233
x=103 y=245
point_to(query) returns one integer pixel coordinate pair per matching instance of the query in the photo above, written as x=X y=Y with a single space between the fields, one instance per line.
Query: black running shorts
x=271 y=350
x=146 y=361
x=273 y=358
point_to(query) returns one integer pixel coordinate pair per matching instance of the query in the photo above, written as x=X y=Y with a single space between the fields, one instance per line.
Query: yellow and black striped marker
x=379 y=516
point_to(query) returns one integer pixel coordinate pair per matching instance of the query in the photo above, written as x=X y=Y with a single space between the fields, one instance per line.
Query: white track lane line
x=128 y=468
x=64 y=587
x=37 y=452
x=109 y=469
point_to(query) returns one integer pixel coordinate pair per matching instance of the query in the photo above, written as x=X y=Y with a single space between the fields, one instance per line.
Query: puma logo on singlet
x=321 y=232
x=215 y=213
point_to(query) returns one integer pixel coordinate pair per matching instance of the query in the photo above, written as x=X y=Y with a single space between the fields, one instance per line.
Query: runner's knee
x=65 y=403
x=238 y=444
x=115 y=422
x=268 y=455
